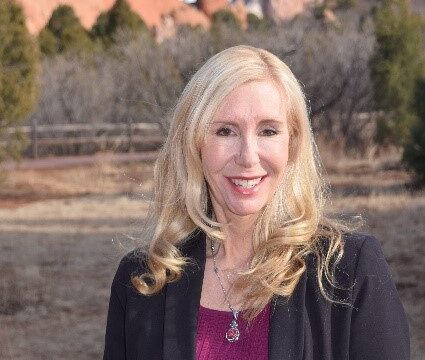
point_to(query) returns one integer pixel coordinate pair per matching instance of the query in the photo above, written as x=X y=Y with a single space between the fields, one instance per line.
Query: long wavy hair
x=290 y=227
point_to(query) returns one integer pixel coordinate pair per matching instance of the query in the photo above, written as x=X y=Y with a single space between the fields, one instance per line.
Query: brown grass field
x=62 y=233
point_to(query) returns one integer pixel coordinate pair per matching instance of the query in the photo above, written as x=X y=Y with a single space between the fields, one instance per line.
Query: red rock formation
x=152 y=12
x=209 y=7
x=38 y=12
x=159 y=15
x=286 y=9
x=238 y=8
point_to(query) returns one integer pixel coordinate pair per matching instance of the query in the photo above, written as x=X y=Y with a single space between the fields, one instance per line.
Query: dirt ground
x=62 y=233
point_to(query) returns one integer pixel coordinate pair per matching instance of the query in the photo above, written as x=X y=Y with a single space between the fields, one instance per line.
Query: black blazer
x=305 y=326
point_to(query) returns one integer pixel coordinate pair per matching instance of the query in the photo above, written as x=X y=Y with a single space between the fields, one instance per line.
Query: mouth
x=246 y=183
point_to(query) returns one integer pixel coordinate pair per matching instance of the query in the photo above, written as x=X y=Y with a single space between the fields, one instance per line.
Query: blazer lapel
x=182 y=304
x=286 y=334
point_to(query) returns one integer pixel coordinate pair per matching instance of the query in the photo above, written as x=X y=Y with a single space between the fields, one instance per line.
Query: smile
x=246 y=183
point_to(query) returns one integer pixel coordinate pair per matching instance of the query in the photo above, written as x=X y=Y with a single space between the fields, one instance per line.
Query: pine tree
x=19 y=64
x=64 y=32
x=396 y=65
x=120 y=18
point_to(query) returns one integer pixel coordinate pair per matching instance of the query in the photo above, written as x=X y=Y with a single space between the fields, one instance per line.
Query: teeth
x=246 y=184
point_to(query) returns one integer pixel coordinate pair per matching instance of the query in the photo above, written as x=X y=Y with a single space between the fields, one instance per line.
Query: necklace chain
x=216 y=271
x=232 y=334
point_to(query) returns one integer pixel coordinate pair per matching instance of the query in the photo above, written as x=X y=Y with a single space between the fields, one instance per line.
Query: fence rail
x=85 y=127
x=100 y=135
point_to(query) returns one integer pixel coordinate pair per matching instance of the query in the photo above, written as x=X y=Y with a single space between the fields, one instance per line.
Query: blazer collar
x=286 y=331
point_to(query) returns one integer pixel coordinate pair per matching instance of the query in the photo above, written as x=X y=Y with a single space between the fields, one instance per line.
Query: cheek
x=210 y=163
x=276 y=154
x=215 y=154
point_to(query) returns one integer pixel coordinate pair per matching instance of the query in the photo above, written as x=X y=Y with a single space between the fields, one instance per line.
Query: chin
x=247 y=211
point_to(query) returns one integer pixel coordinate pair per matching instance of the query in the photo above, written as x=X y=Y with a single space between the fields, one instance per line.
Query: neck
x=237 y=248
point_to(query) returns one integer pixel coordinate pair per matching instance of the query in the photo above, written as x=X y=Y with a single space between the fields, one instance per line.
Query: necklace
x=233 y=333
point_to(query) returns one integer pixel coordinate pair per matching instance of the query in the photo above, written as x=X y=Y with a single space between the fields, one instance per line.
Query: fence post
x=130 y=135
x=34 y=137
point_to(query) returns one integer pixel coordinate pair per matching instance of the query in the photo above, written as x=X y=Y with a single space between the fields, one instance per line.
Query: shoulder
x=379 y=325
x=361 y=265
x=364 y=272
x=360 y=244
x=359 y=252
x=133 y=263
x=363 y=257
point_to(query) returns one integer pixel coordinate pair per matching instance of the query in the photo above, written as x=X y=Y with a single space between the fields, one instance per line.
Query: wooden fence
x=122 y=135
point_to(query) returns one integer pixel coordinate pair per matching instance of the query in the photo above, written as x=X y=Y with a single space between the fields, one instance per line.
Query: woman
x=243 y=263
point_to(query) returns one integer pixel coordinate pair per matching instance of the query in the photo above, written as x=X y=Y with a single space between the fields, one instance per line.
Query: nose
x=247 y=154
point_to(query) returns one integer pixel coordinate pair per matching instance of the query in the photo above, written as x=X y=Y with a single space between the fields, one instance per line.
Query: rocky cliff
x=163 y=14
x=153 y=12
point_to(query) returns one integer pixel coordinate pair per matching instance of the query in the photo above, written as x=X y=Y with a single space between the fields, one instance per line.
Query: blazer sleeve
x=115 y=341
x=379 y=327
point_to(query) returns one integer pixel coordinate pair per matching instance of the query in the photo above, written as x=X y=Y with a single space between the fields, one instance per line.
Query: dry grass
x=25 y=186
x=61 y=242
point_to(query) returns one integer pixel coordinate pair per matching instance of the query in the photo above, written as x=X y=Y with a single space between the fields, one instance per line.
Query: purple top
x=211 y=343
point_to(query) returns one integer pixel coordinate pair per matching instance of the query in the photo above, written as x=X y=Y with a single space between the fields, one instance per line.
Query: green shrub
x=19 y=63
x=227 y=18
x=414 y=148
x=47 y=42
x=345 y=4
x=258 y=24
x=397 y=63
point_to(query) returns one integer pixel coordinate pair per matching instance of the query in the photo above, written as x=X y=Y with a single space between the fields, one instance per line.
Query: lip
x=246 y=177
x=250 y=191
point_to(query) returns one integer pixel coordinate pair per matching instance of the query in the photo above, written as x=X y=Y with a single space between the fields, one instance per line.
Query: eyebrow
x=274 y=122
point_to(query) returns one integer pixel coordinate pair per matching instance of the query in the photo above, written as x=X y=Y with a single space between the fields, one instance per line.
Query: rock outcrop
x=152 y=12
x=164 y=15
x=209 y=7
x=280 y=10
x=38 y=12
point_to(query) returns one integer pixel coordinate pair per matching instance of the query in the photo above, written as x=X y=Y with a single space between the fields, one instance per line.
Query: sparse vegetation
x=59 y=253
x=123 y=84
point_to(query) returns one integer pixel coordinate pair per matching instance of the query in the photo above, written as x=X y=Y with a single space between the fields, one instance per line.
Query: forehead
x=255 y=100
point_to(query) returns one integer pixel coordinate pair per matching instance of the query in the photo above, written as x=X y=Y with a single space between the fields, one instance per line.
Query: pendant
x=233 y=333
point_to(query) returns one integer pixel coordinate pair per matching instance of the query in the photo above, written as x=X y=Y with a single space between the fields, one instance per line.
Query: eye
x=269 y=132
x=224 y=131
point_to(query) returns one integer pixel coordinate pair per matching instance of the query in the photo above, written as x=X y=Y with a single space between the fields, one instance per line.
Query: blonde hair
x=290 y=227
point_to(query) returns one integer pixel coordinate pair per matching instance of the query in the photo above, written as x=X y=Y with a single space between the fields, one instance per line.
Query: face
x=245 y=152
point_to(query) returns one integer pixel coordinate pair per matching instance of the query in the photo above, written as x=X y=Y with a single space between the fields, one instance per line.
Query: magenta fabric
x=211 y=343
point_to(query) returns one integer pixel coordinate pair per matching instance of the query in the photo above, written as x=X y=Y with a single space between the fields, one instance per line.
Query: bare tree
x=139 y=81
